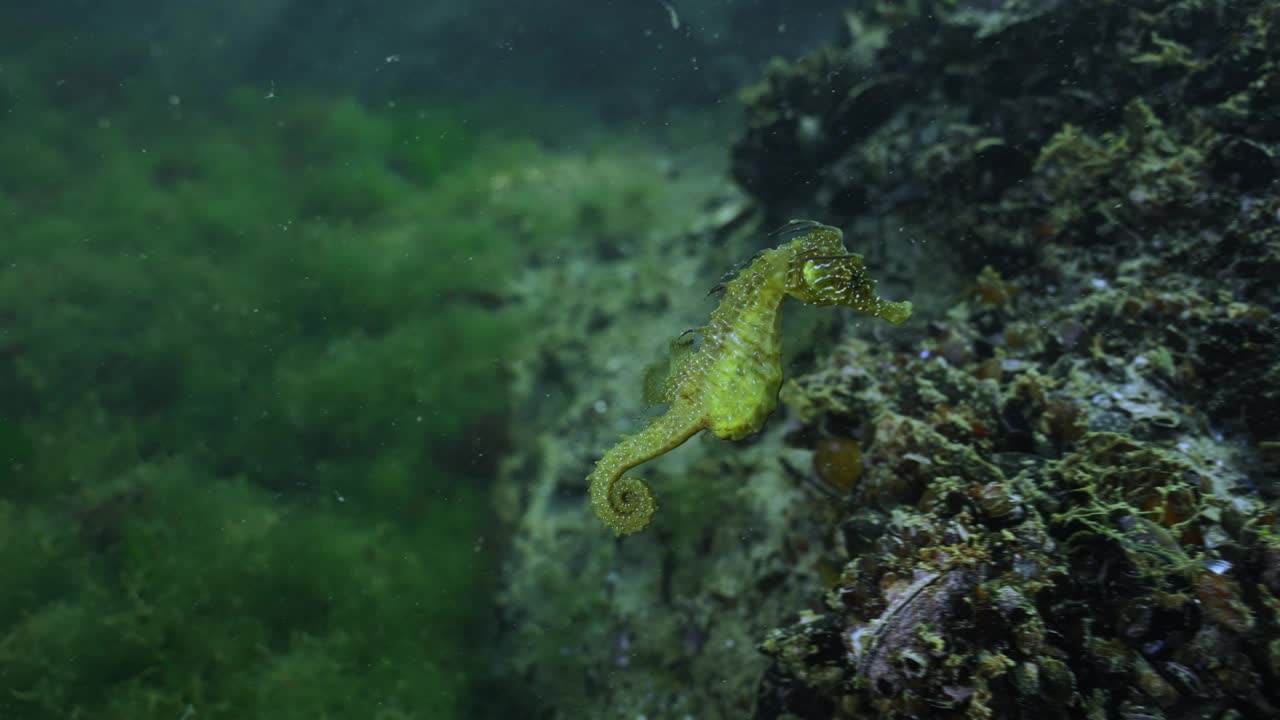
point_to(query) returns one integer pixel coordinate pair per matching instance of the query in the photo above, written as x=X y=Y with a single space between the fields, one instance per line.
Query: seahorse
x=728 y=384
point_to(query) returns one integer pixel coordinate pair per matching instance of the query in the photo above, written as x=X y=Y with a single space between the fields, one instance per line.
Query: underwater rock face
x=1100 y=575
x=1068 y=505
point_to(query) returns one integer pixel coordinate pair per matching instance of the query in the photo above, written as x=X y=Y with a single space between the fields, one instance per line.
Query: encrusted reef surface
x=1053 y=493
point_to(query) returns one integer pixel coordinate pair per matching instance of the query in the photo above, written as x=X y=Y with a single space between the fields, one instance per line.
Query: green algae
x=241 y=349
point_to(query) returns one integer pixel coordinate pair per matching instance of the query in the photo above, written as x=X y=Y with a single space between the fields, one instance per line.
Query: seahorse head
x=824 y=273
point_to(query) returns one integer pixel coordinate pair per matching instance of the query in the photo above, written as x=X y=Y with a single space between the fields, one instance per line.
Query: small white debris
x=671 y=13
x=1217 y=567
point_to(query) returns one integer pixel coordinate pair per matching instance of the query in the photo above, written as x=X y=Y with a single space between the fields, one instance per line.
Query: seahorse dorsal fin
x=737 y=269
x=660 y=376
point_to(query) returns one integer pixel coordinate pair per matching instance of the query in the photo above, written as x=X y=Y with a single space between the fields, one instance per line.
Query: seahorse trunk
x=625 y=504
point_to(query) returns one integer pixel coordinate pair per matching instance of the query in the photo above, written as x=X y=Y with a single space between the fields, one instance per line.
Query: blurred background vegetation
x=239 y=351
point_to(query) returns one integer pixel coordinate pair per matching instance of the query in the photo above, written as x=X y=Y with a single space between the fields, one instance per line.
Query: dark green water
x=314 y=318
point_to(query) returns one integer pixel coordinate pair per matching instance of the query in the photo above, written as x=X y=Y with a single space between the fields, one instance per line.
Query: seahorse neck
x=754 y=297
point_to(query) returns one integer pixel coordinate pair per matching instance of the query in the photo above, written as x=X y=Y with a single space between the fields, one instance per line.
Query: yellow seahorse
x=729 y=383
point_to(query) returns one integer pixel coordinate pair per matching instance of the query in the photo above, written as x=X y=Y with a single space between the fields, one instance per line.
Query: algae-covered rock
x=1115 y=363
x=1065 y=504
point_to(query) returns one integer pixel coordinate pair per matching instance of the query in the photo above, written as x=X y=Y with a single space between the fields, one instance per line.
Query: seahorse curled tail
x=625 y=503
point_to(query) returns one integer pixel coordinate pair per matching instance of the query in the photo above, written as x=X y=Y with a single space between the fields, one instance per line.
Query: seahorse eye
x=816 y=274
x=826 y=278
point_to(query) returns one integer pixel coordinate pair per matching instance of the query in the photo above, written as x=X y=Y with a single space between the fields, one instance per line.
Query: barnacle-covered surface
x=1068 y=501
x=1066 y=505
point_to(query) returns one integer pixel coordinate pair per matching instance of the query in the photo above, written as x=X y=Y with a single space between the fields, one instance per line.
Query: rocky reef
x=1053 y=493
x=1067 y=502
